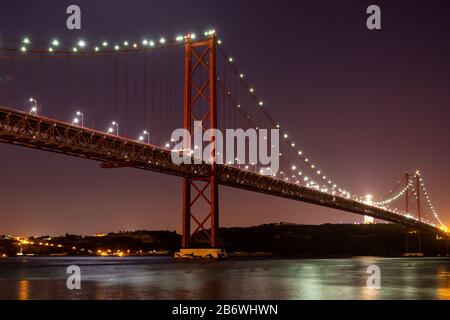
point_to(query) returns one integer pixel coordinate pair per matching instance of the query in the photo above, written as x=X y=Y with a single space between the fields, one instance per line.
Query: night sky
x=366 y=105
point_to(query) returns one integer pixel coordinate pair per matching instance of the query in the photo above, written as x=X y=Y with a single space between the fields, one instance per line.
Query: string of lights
x=430 y=204
x=398 y=195
x=82 y=46
x=327 y=182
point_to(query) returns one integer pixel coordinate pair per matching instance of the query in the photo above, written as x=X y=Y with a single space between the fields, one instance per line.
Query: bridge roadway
x=37 y=132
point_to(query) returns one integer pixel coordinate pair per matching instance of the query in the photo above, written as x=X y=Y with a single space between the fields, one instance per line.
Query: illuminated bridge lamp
x=33 y=109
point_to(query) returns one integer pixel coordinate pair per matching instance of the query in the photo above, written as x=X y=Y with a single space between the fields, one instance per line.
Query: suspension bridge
x=117 y=103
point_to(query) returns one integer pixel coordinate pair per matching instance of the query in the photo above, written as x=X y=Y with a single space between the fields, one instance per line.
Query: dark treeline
x=282 y=239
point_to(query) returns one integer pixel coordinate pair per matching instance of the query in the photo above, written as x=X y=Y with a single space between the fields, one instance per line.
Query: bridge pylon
x=413 y=237
x=200 y=104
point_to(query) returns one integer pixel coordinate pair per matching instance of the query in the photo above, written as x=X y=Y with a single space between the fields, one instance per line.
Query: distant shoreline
x=280 y=240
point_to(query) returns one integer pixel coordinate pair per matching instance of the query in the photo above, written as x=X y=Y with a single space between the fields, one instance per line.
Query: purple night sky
x=366 y=105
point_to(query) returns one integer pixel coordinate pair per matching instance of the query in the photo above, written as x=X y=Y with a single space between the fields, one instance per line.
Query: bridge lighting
x=162 y=40
x=76 y=121
x=305 y=179
x=368 y=199
x=116 y=47
x=125 y=43
x=26 y=40
x=294 y=168
x=286 y=136
x=241 y=76
x=81 y=116
x=75 y=50
x=135 y=45
x=55 y=42
x=179 y=38
x=300 y=153
x=111 y=129
x=167 y=145
x=219 y=41
x=231 y=59
x=261 y=103
x=145 y=133
x=50 y=49
x=105 y=44
x=81 y=43
x=252 y=90
x=144 y=42
x=23 y=49
x=293 y=145
x=33 y=109
x=151 y=43
x=97 y=49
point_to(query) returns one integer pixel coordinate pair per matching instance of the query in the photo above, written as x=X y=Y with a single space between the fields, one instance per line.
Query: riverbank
x=271 y=240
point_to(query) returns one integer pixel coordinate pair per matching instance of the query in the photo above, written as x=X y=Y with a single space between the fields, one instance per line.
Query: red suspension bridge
x=127 y=98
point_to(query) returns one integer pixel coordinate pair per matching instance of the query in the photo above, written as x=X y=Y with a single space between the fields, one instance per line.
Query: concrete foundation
x=414 y=255
x=200 y=254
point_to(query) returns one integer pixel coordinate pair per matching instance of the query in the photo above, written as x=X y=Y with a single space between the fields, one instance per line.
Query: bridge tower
x=200 y=104
x=413 y=238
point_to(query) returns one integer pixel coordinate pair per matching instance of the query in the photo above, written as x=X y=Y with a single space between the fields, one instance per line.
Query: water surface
x=162 y=278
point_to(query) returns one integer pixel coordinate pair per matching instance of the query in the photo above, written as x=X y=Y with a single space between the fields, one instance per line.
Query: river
x=45 y=278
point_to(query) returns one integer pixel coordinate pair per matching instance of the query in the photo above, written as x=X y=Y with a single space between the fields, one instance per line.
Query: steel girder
x=20 y=128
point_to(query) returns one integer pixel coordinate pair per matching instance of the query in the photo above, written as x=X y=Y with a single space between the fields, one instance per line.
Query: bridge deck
x=32 y=131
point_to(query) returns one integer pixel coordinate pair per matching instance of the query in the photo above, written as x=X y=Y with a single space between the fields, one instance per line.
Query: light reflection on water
x=443 y=290
x=162 y=278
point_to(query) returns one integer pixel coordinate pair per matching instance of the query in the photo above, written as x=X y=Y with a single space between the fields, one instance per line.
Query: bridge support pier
x=413 y=243
x=446 y=247
x=200 y=186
